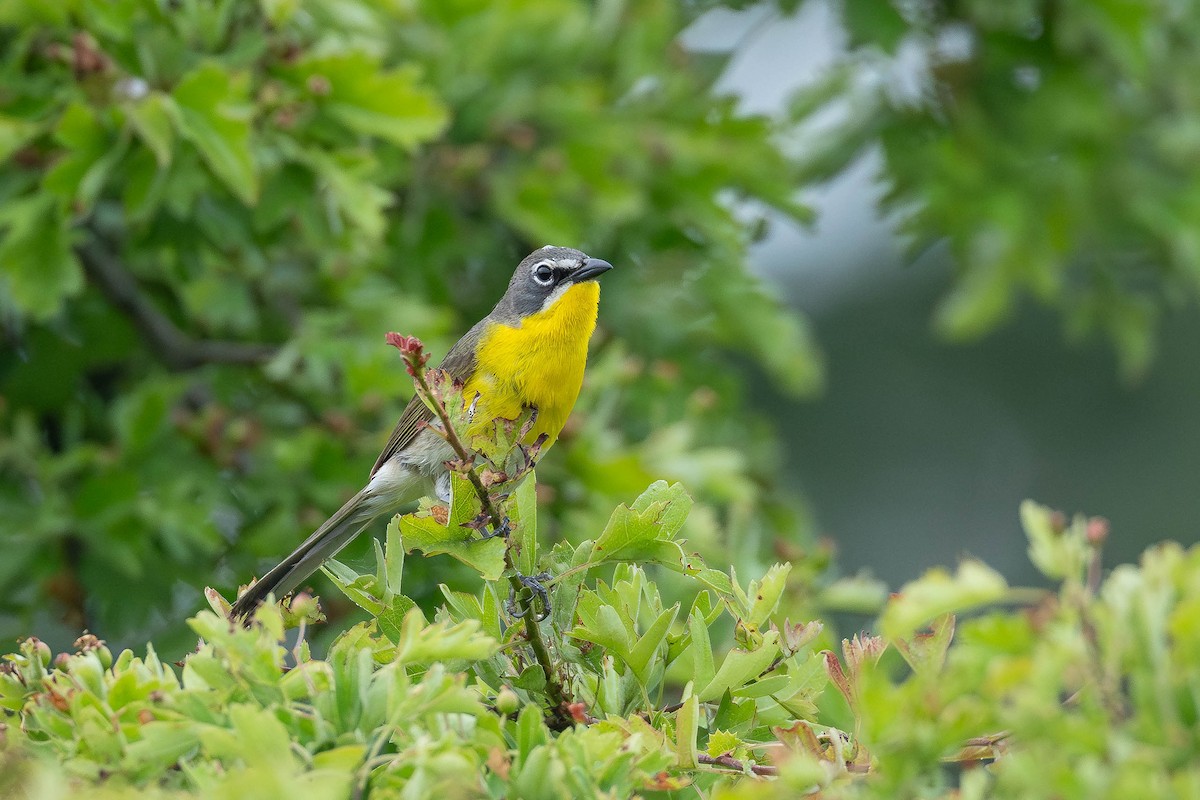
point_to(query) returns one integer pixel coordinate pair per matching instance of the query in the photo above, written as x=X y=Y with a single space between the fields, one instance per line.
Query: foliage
x=1085 y=692
x=212 y=210
x=1049 y=143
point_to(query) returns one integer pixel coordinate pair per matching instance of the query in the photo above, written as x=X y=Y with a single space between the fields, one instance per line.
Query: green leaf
x=356 y=587
x=926 y=652
x=522 y=513
x=389 y=104
x=703 y=665
x=391 y=620
x=392 y=573
x=1058 y=552
x=722 y=742
x=420 y=531
x=601 y=624
x=160 y=747
x=422 y=643
x=687 y=725
x=639 y=658
x=214 y=115
x=37 y=264
x=153 y=117
x=531 y=731
x=741 y=666
x=937 y=592
x=349 y=183
x=91 y=152
x=764 y=595
x=14 y=133
x=871 y=22
x=643 y=532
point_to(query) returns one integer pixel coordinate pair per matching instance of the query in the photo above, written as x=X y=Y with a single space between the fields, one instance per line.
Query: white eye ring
x=543 y=273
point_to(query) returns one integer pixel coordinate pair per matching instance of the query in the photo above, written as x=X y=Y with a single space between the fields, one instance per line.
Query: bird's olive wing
x=460 y=363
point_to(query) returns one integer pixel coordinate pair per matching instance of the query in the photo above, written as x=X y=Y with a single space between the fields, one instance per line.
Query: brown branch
x=729 y=762
x=411 y=349
x=174 y=348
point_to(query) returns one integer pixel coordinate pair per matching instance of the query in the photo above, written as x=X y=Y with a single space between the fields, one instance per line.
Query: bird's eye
x=543 y=274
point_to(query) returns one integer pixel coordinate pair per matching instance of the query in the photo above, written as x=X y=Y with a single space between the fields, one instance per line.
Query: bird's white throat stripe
x=556 y=295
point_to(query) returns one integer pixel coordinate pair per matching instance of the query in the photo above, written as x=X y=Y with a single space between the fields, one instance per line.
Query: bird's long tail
x=334 y=534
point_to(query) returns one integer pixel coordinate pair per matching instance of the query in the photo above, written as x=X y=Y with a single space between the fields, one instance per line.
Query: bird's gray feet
x=533 y=584
x=503 y=529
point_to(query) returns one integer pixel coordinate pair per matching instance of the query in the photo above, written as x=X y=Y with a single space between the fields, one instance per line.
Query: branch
x=174 y=348
x=729 y=762
x=411 y=349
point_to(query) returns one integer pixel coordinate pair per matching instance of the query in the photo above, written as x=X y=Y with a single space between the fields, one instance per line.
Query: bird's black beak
x=592 y=268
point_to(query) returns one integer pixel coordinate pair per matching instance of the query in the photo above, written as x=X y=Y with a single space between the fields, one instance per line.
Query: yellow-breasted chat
x=529 y=352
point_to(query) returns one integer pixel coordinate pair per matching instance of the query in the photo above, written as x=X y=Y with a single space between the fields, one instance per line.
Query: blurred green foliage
x=1052 y=144
x=212 y=211
x=1087 y=691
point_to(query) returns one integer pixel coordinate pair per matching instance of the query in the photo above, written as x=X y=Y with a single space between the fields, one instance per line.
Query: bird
x=529 y=352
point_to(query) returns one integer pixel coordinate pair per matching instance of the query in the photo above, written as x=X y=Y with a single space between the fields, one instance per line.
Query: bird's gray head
x=543 y=277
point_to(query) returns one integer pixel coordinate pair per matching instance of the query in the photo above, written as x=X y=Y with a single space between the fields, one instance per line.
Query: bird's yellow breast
x=538 y=363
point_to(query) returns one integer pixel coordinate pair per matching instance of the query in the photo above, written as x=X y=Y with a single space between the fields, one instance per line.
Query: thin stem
x=416 y=366
x=729 y=762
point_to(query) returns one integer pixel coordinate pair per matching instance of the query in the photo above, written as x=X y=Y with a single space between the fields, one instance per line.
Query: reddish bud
x=88 y=642
x=578 y=712
x=411 y=349
x=407 y=345
x=319 y=85
x=1097 y=531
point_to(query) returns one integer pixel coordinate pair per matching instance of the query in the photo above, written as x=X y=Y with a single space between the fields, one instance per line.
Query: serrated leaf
x=390 y=104
x=214 y=115
x=602 y=625
x=722 y=742
x=522 y=512
x=14 y=133
x=772 y=684
x=91 y=152
x=678 y=501
x=741 y=666
x=703 y=664
x=937 y=592
x=37 y=263
x=391 y=620
x=687 y=725
x=354 y=586
x=422 y=643
x=160 y=747
x=153 y=117
x=642 y=532
x=420 y=531
x=765 y=593
x=1057 y=553
x=640 y=656
x=926 y=652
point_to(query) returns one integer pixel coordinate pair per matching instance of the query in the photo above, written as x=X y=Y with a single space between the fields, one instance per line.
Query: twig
x=411 y=349
x=729 y=762
x=174 y=348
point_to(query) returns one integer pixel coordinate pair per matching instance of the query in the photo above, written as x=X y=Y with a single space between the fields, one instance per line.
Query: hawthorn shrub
x=641 y=670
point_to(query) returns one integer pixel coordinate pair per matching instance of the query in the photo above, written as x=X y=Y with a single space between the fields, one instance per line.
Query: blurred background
x=884 y=270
